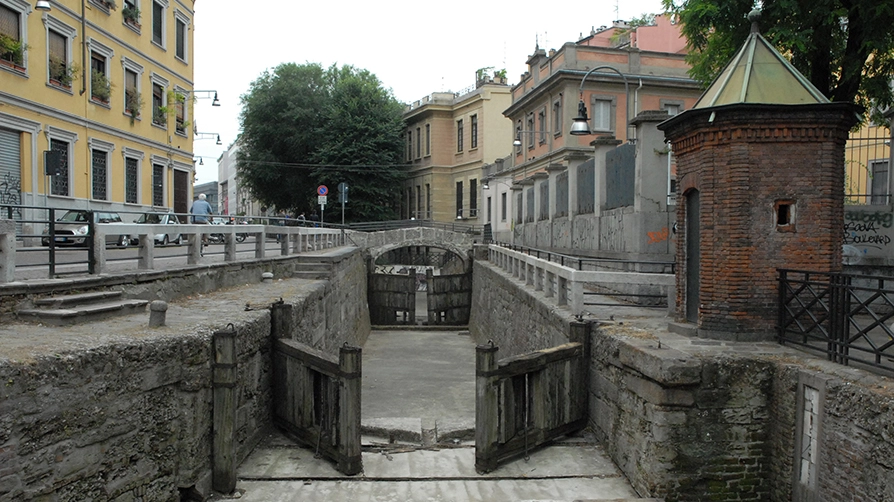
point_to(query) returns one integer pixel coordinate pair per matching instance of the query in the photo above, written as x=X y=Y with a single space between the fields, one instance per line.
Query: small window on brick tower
x=785 y=216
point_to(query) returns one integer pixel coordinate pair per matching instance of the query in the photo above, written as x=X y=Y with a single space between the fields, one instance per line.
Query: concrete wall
x=693 y=419
x=131 y=420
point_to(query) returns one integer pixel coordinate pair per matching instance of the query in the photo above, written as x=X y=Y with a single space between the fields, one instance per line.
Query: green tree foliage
x=303 y=126
x=844 y=47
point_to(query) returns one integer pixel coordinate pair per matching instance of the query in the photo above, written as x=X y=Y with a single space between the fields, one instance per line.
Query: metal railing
x=378 y=226
x=585 y=263
x=846 y=317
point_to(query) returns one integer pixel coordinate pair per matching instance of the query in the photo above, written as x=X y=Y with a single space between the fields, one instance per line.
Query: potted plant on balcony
x=160 y=115
x=131 y=16
x=108 y=4
x=12 y=52
x=100 y=87
x=61 y=72
x=133 y=103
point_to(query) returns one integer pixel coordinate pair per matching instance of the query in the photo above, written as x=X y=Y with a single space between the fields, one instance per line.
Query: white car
x=157 y=218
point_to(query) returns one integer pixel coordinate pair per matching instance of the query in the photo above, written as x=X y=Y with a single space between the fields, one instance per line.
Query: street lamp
x=43 y=5
x=207 y=95
x=581 y=124
x=518 y=132
x=208 y=135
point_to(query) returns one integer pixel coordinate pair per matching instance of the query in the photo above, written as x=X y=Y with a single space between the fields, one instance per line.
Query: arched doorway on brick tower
x=693 y=256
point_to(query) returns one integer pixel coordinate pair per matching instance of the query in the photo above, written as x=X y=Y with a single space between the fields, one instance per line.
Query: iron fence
x=847 y=317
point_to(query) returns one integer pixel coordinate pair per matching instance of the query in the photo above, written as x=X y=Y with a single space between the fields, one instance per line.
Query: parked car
x=71 y=229
x=161 y=218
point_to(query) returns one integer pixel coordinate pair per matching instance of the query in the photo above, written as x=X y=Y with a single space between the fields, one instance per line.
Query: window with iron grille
x=59 y=183
x=474 y=137
x=158 y=185
x=459 y=135
x=459 y=199
x=11 y=28
x=473 y=198
x=100 y=174
x=158 y=23
x=131 y=175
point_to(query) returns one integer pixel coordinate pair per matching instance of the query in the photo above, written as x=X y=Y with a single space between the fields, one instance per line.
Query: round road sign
x=322 y=190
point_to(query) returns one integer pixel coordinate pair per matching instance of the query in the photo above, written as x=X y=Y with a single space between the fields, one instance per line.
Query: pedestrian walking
x=201 y=214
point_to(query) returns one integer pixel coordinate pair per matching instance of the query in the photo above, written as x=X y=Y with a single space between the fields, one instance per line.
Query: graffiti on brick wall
x=659 y=236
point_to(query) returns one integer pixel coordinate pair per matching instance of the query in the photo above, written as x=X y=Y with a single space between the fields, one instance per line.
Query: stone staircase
x=67 y=310
x=312 y=268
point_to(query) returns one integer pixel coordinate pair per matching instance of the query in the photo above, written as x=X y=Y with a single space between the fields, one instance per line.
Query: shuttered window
x=11 y=173
x=158 y=23
x=58 y=57
x=9 y=23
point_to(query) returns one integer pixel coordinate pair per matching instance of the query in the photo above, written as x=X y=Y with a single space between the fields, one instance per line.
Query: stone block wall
x=132 y=420
x=129 y=421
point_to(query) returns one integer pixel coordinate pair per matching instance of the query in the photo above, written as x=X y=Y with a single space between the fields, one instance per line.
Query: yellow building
x=866 y=171
x=449 y=138
x=108 y=85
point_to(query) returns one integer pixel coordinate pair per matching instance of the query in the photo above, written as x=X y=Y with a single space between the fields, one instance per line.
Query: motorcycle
x=221 y=238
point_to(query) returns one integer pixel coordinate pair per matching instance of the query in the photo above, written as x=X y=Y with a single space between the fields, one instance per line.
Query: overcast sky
x=413 y=47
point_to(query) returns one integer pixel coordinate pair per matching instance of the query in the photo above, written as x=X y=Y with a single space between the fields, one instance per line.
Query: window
x=474 y=138
x=879 y=183
x=99 y=174
x=12 y=35
x=181 y=34
x=131 y=179
x=557 y=116
x=180 y=110
x=517 y=141
x=133 y=99
x=672 y=107
x=459 y=135
x=59 y=183
x=158 y=23
x=503 y=206
x=785 y=215
x=541 y=118
x=409 y=145
x=100 y=84
x=602 y=114
x=131 y=14
x=159 y=100
x=60 y=70
x=473 y=198
x=530 y=130
x=427 y=139
x=418 y=142
x=427 y=201
x=158 y=184
x=419 y=202
x=490 y=211
x=459 y=199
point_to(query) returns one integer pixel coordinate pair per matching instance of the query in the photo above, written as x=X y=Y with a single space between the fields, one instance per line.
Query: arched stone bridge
x=377 y=244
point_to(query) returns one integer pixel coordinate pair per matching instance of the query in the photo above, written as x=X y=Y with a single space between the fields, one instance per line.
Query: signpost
x=342 y=197
x=321 y=199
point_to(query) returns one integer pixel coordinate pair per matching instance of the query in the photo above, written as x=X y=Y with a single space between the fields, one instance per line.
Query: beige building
x=107 y=87
x=449 y=137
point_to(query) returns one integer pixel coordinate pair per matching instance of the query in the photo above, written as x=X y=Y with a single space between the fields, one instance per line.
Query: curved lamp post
x=581 y=124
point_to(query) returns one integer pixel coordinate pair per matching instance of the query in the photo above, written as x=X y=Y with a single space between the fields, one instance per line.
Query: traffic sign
x=321 y=200
x=322 y=190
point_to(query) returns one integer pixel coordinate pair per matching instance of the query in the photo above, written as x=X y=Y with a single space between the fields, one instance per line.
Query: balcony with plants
x=131 y=16
x=12 y=52
x=100 y=87
x=62 y=73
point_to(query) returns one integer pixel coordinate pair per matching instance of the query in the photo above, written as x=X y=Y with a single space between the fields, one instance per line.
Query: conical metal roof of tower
x=759 y=74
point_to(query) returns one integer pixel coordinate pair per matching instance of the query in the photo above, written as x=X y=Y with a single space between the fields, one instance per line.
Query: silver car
x=172 y=237
x=71 y=229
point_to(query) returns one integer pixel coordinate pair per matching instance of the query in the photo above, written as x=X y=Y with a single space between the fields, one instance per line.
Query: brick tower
x=760 y=171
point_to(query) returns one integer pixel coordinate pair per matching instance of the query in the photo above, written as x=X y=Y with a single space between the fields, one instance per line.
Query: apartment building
x=96 y=104
x=449 y=137
x=602 y=81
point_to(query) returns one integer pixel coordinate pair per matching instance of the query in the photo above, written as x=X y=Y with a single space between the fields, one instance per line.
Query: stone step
x=77 y=299
x=312 y=270
x=425 y=432
x=77 y=314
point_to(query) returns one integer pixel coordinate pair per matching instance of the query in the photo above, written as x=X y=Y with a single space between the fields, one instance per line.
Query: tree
x=303 y=126
x=844 y=47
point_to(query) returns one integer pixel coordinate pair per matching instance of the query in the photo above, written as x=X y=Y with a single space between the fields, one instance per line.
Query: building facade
x=449 y=138
x=106 y=87
x=616 y=73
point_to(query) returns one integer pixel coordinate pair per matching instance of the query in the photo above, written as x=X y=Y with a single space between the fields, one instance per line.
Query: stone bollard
x=157 y=312
x=267 y=277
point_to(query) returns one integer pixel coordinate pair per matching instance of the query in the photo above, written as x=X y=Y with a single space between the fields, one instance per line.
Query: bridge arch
x=379 y=243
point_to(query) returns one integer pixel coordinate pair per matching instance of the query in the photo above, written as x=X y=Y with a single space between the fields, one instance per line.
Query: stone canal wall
x=117 y=411
x=688 y=419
